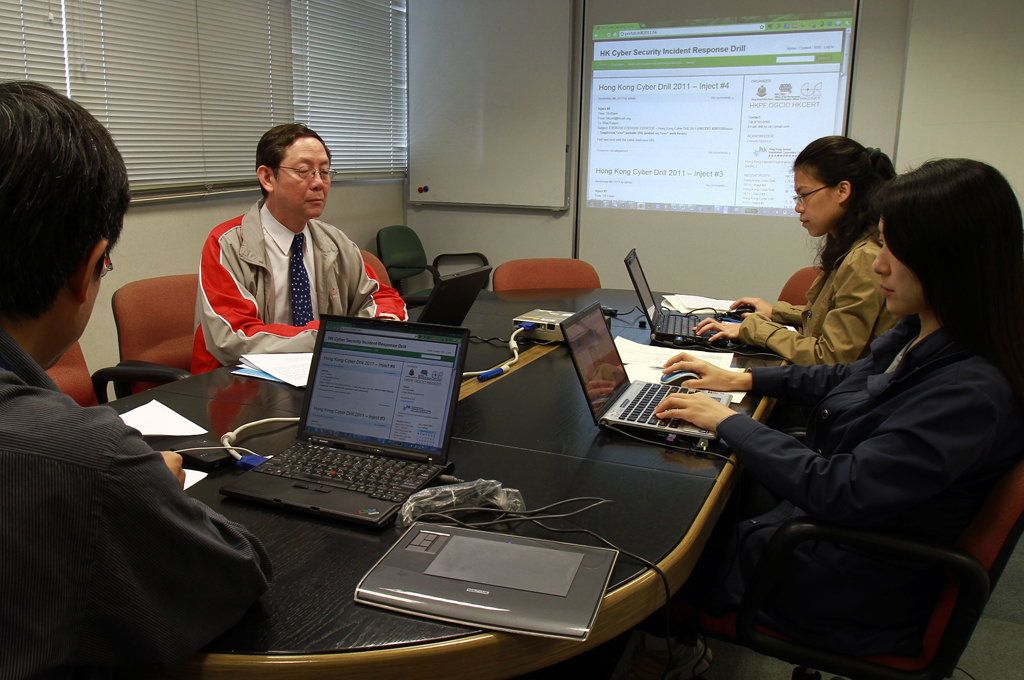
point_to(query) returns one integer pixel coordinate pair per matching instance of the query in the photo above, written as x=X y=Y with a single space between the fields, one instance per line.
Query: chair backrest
x=377 y=266
x=795 y=290
x=990 y=539
x=155 y=319
x=401 y=252
x=988 y=542
x=72 y=376
x=545 y=273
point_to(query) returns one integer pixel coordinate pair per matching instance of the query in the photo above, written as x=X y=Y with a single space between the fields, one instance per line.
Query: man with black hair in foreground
x=104 y=560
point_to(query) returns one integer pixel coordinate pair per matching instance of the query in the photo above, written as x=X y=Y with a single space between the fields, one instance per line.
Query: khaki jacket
x=844 y=313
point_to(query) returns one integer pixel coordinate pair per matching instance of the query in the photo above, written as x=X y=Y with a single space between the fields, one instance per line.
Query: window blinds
x=187 y=88
x=349 y=62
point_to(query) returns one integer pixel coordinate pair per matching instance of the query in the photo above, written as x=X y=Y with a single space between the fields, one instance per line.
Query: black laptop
x=667 y=328
x=376 y=422
x=453 y=295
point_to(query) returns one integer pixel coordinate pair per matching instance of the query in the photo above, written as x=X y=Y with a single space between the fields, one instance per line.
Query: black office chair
x=972 y=569
x=401 y=251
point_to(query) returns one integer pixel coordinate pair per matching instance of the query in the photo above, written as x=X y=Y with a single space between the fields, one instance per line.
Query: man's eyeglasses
x=800 y=199
x=107 y=265
x=307 y=174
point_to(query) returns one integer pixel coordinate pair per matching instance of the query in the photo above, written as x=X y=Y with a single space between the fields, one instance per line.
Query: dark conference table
x=531 y=430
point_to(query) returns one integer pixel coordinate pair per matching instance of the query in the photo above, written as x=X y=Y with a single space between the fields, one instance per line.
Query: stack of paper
x=290 y=368
x=695 y=303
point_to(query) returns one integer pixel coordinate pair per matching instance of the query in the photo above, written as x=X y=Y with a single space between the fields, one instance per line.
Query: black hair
x=63 y=188
x=956 y=224
x=275 y=141
x=832 y=160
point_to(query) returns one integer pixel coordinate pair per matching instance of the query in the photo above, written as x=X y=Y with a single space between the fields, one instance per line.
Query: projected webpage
x=709 y=117
x=384 y=388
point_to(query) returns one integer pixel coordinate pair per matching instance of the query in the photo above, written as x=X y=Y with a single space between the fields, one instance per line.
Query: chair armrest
x=435 y=275
x=435 y=272
x=774 y=567
x=451 y=256
x=128 y=372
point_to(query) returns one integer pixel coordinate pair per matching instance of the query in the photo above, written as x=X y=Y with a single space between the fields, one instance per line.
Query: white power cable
x=229 y=438
x=501 y=368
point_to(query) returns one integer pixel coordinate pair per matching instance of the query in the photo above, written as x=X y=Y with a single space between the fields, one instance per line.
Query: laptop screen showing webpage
x=643 y=289
x=385 y=384
x=597 y=361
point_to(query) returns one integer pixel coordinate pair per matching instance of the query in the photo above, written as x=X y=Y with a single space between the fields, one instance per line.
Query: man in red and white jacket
x=245 y=301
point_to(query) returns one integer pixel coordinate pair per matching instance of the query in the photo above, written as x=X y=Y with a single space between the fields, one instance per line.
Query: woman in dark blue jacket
x=908 y=440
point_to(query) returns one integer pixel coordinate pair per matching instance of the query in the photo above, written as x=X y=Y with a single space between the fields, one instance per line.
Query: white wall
x=166 y=238
x=876 y=95
x=965 y=85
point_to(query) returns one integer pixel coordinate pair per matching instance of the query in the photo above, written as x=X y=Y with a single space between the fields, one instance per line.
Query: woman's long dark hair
x=956 y=224
x=831 y=160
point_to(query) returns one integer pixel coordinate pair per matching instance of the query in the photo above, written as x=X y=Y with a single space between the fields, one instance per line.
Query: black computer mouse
x=742 y=309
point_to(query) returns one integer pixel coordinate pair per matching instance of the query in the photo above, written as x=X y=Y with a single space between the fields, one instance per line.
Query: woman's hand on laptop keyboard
x=711 y=377
x=712 y=330
x=698 y=409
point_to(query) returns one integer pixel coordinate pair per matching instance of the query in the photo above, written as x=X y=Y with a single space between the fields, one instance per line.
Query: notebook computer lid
x=384 y=387
x=613 y=398
x=596 y=359
x=642 y=288
x=668 y=328
x=454 y=294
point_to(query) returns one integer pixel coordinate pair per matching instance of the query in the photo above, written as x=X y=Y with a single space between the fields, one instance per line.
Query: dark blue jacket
x=104 y=561
x=912 y=453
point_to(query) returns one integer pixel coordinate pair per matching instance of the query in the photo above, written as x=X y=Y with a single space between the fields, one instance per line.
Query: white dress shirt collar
x=280 y=234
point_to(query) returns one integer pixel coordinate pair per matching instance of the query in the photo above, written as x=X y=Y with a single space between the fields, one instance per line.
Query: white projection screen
x=692 y=115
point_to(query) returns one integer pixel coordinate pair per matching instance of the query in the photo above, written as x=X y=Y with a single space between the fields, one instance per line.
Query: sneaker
x=650 y=658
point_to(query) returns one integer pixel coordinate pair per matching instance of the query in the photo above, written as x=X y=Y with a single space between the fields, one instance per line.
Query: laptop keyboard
x=388 y=479
x=677 y=324
x=641 y=409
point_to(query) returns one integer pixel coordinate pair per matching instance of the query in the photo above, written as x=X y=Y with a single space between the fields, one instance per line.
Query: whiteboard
x=489 y=94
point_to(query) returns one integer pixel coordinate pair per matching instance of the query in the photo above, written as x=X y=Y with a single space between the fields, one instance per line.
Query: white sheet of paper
x=156 y=419
x=644 y=362
x=686 y=303
x=193 y=476
x=292 y=368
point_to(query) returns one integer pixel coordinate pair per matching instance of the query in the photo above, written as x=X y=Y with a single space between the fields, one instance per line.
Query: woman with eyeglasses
x=907 y=441
x=834 y=179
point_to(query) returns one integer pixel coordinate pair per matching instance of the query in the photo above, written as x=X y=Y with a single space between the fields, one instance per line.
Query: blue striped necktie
x=298 y=284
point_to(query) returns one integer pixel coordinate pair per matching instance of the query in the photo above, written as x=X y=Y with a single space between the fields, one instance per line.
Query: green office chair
x=403 y=256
